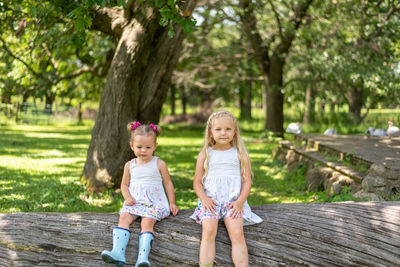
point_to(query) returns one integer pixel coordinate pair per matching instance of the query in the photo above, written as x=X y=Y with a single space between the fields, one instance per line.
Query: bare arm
x=237 y=206
x=168 y=185
x=207 y=202
x=129 y=200
x=246 y=184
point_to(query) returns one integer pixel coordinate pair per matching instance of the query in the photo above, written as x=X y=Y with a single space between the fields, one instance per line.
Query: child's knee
x=209 y=231
x=126 y=218
x=236 y=235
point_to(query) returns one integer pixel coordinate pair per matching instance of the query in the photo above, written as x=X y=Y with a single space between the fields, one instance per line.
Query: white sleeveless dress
x=223 y=184
x=147 y=189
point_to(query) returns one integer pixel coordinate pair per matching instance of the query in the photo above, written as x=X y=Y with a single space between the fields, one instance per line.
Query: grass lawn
x=40 y=168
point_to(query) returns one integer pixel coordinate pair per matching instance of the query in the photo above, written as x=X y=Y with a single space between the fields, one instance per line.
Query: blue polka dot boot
x=120 y=241
x=145 y=244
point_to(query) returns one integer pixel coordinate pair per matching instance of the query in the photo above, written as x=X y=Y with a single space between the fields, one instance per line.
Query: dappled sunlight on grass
x=43 y=164
x=40 y=168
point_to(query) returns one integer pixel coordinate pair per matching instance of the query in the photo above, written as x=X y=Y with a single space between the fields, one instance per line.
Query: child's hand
x=173 y=208
x=130 y=201
x=209 y=204
x=236 y=209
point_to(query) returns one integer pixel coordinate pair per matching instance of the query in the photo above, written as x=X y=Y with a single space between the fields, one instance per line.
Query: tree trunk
x=322 y=234
x=248 y=100
x=309 y=112
x=275 y=97
x=245 y=98
x=80 y=109
x=242 y=103
x=49 y=100
x=6 y=94
x=355 y=100
x=172 y=99
x=206 y=105
x=183 y=99
x=272 y=66
x=137 y=85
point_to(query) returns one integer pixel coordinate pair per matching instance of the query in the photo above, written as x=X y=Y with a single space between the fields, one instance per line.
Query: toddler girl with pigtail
x=143 y=182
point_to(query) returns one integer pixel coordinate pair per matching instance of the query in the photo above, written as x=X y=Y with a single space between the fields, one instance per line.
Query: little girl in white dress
x=147 y=189
x=222 y=182
x=142 y=187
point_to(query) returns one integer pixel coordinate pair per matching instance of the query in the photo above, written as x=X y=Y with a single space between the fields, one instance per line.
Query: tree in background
x=137 y=81
x=53 y=43
x=353 y=61
x=271 y=43
x=360 y=54
x=44 y=52
x=216 y=66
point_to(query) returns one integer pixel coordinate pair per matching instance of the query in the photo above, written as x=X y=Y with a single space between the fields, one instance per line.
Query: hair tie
x=135 y=125
x=152 y=126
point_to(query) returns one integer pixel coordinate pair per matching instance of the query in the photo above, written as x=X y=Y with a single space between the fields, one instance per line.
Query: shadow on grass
x=15 y=143
x=24 y=191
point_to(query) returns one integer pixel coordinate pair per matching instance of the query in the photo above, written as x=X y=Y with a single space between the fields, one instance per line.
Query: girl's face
x=223 y=131
x=143 y=146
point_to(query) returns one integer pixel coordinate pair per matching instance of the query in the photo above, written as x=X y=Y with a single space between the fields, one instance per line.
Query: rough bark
x=355 y=100
x=137 y=85
x=323 y=234
x=272 y=65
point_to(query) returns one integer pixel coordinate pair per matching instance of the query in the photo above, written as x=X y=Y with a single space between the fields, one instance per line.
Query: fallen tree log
x=321 y=234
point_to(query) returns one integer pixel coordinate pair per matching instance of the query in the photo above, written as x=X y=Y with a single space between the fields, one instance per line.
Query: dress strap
x=133 y=163
x=155 y=161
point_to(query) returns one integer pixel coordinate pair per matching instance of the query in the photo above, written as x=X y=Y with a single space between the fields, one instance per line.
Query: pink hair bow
x=135 y=125
x=152 y=126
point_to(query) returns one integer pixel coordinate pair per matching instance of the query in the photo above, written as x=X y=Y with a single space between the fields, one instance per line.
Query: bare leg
x=147 y=225
x=125 y=219
x=240 y=255
x=207 y=245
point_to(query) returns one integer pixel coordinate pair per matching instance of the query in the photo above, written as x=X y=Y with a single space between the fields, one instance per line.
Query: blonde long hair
x=236 y=142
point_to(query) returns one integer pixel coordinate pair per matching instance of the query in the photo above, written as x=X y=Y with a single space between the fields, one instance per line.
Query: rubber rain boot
x=145 y=244
x=206 y=265
x=120 y=241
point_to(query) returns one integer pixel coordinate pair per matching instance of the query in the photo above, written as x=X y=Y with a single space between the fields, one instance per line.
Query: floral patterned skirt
x=153 y=211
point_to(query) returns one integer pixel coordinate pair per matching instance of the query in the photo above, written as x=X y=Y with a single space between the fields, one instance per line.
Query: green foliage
x=43 y=47
x=394 y=196
x=171 y=14
x=215 y=64
x=353 y=57
x=345 y=195
x=50 y=51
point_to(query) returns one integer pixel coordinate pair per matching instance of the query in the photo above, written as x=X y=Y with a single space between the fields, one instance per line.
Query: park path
x=381 y=150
